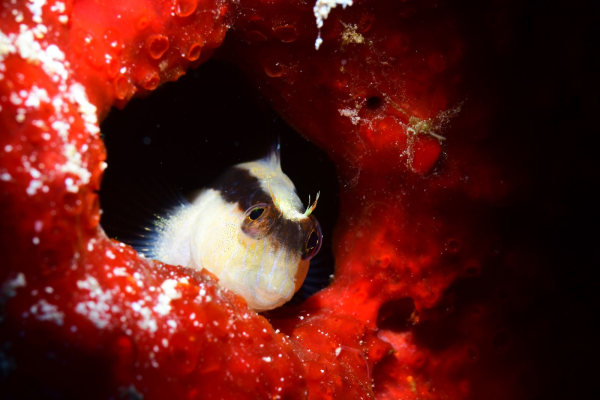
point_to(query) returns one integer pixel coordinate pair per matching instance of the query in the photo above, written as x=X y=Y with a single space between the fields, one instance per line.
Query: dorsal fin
x=275 y=154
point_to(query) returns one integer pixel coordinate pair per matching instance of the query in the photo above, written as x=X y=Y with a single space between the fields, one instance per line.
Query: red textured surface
x=424 y=199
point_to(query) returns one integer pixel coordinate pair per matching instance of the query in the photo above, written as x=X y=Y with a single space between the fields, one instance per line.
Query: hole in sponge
x=185 y=134
x=373 y=102
x=396 y=315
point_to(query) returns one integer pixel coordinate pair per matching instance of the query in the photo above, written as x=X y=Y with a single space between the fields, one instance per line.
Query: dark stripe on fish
x=292 y=234
x=238 y=185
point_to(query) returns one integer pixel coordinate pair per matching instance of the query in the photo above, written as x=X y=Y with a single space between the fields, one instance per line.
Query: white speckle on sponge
x=321 y=10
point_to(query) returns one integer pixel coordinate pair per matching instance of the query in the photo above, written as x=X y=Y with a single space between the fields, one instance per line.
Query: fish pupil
x=313 y=241
x=256 y=213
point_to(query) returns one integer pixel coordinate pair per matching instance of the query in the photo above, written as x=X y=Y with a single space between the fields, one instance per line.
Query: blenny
x=249 y=229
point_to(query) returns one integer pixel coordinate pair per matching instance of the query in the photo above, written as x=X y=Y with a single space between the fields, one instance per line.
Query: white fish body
x=249 y=229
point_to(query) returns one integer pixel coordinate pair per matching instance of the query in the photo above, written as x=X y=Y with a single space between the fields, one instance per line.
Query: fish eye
x=256 y=213
x=313 y=243
x=259 y=220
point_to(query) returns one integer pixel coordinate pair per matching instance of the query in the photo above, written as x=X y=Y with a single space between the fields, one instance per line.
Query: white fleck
x=350 y=113
x=164 y=64
x=321 y=11
x=147 y=323
x=35 y=6
x=35 y=174
x=135 y=306
x=36 y=97
x=110 y=254
x=44 y=311
x=98 y=310
x=55 y=52
x=86 y=109
x=61 y=127
x=49 y=290
x=10 y=286
x=75 y=166
x=15 y=99
x=58 y=7
x=168 y=287
x=34 y=185
x=71 y=186
x=58 y=104
x=39 y=31
x=5 y=176
x=165 y=343
x=120 y=271
x=164 y=300
x=338 y=351
x=192 y=315
x=8 y=148
x=51 y=59
x=267 y=359
x=163 y=307
x=172 y=323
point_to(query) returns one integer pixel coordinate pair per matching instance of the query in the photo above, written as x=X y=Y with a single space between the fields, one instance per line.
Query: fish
x=249 y=228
